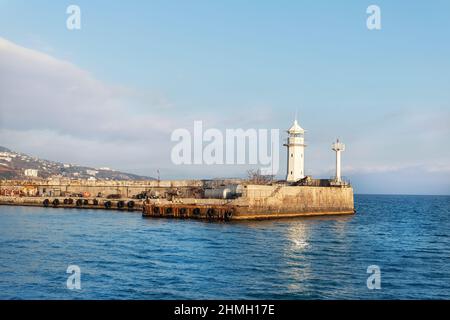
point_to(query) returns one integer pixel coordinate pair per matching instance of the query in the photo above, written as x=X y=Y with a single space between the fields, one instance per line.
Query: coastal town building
x=31 y=172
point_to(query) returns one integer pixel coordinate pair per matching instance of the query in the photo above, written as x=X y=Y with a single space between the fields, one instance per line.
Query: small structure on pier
x=338 y=147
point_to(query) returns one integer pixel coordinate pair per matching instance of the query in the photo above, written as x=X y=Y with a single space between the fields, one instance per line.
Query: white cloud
x=39 y=92
x=439 y=168
x=54 y=109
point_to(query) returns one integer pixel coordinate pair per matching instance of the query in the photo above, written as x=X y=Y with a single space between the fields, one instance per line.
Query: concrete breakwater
x=102 y=188
x=75 y=203
x=260 y=202
x=200 y=200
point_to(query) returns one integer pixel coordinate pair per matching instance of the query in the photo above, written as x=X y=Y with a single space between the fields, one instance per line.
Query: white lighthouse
x=295 y=153
x=338 y=147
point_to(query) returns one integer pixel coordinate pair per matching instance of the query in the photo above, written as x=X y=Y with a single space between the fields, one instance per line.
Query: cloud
x=39 y=92
x=53 y=109
x=439 y=168
x=48 y=105
x=376 y=168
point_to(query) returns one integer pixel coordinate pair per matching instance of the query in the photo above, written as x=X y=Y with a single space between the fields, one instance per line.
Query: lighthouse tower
x=338 y=147
x=295 y=153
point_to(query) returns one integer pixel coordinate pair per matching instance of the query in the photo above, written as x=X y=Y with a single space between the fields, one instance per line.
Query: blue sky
x=246 y=64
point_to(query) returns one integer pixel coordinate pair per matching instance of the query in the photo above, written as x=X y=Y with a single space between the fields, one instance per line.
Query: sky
x=112 y=93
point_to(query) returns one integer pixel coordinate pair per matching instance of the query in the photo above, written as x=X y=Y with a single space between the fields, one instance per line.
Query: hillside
x=14 y=165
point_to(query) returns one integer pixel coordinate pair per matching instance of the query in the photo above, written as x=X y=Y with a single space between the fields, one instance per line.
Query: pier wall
x=87 y=203
x=285 y=200
x=262 y=202
x=127 y=189
x=252 y=202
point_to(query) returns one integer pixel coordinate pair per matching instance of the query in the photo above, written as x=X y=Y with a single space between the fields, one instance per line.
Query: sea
x=394 y=247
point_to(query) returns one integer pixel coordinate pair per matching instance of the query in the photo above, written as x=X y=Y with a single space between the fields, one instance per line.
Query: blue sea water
x=124 y=256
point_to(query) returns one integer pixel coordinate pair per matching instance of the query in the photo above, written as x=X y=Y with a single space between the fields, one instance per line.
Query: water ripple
x=123 y=256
